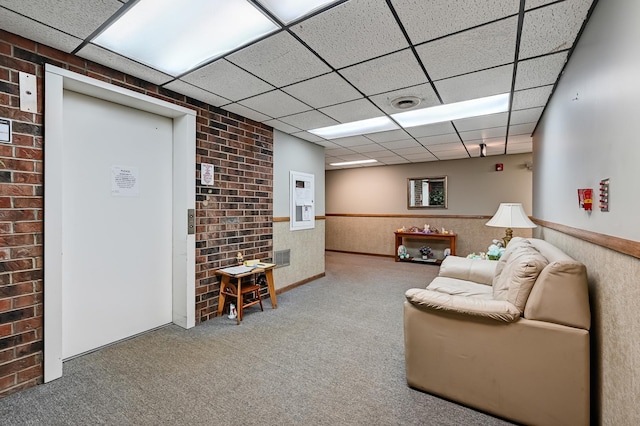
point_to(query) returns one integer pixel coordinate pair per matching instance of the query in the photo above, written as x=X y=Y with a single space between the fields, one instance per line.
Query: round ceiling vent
x=405 y=102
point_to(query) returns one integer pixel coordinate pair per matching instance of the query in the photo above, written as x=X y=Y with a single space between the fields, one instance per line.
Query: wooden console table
x=425 y=236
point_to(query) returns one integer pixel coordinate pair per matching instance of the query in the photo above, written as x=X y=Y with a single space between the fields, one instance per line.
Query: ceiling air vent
x=405 y=102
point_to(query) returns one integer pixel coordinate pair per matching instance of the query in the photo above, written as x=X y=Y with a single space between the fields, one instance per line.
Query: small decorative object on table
x=402 y=253
x=426 y=252
x=495 y=250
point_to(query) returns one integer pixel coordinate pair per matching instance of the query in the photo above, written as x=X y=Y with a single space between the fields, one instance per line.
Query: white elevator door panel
x=117 y=251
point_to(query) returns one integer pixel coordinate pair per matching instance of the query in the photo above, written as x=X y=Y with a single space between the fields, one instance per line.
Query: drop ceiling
x=349 y=60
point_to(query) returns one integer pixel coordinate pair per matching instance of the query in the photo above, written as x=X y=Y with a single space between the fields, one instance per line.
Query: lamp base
x=508 y=236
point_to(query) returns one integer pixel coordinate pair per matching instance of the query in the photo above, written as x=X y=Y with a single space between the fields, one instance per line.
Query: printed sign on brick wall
x=206 y=174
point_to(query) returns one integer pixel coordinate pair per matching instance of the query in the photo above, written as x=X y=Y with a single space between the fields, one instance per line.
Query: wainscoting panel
x=373 y=234
x=615 y=348
x=307 y=253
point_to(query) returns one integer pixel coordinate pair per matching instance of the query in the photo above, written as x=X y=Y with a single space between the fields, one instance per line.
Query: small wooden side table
x=228 y=279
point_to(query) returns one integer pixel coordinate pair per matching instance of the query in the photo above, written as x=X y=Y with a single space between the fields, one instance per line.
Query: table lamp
x=510 y=215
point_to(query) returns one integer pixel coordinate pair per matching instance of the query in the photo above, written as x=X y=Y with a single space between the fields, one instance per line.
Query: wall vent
x=282 y=257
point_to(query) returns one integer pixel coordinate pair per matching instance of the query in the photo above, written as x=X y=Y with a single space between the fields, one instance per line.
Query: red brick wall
x=235 y=214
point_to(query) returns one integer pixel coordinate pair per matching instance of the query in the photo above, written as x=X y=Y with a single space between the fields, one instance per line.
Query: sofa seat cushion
x=456 y=287
x=427 y=299
x=515 y=279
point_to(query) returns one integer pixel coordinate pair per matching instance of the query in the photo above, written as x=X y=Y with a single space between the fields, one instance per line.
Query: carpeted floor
x=331 y=354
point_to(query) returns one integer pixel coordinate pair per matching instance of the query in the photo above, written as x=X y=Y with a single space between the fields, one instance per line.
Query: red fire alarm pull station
x=499 y=167
x=585 y=198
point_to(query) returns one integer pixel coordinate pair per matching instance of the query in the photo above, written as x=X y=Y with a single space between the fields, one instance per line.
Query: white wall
x=291 y=153
x=589 y=132
x=307 y=245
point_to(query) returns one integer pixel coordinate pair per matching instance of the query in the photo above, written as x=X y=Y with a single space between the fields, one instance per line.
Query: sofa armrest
x=476 y=270
x=499 y=310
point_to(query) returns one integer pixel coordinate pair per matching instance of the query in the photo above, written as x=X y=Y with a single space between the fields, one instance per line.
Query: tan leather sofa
x=508 y=337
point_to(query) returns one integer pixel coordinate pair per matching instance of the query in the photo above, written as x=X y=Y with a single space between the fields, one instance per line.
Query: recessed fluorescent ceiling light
x=362 y=127
x=290 y=10
x=175 y=36
x=350 y=163
x=455 y=111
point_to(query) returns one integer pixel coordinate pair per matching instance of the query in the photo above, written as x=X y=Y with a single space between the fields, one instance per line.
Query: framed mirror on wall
x=427 y=192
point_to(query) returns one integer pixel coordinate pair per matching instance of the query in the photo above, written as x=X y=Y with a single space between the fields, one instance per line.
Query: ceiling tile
x=227 y=80
x=530 y=4
x=338 y=152
x=276 y=104
x=530 y=98
x=552 y=28
x=431 y=129
x=393 y=160
x=518 y=148
x=427 y=20
x=279 y=60
x=18 y=24
x=439 y=139
x=423 y=91
x=196 y=93
x=311 y=138
x=77 y=18
x=522 y=129
x=367 y=149
x=120 y=63
x=328 y=89
x=405 y=143
x=309 y=120
x=410 y=150
x=373 y=77
x=283 y=127
x=539 y=71
x=327 y=144
x=485 y=121
x=493 y=132
x=381 y=155
x=452 y=155
x=476 y=85
x=389 y=136
x=354 y=141
x=352 y=32
x=420 y=158
x=246 y=112
x=520 y=139
x=479 y=48
x=531 y=115
x=457 y=146
x=352 y=111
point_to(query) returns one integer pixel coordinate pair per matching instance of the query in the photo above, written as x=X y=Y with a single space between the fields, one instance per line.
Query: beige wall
x=474 y=187
x=307 y=253
x=356 y=196
x=589 y=132
x=615 y=355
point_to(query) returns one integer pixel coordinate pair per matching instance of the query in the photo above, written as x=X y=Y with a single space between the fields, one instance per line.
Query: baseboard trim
x=621 y=245
x=299 y=283
x=359 y=252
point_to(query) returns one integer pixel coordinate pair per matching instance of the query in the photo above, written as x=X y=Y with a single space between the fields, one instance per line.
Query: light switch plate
x=28 y=92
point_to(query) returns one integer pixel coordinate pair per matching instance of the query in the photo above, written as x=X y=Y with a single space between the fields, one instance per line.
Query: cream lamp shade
x=510 y=215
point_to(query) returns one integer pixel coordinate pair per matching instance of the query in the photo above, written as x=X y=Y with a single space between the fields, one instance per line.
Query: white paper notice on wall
x=206 y=174
x=125 y=181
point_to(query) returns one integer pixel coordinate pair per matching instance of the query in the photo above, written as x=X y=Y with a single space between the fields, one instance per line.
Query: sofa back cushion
x=516 y=276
